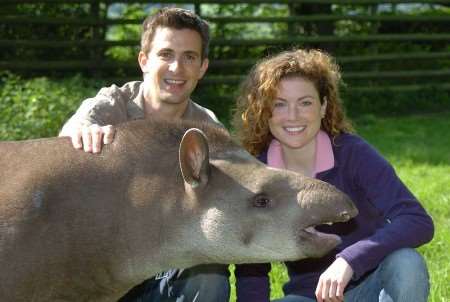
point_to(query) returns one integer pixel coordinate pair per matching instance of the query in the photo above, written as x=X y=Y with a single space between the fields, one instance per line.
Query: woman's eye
x=306 y=103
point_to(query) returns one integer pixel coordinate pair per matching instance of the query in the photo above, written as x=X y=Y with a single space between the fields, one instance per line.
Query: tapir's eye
x=261 y=201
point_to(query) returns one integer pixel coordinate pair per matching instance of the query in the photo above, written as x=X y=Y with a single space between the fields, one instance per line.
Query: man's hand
x=333 y=281
x=90 y=138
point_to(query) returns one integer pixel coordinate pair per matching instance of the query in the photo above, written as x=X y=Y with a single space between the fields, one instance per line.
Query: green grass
x=419 y=149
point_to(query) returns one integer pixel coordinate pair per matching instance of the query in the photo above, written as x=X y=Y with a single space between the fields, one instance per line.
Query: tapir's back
x=31 y=168
x=38 y=156
x=49 y=172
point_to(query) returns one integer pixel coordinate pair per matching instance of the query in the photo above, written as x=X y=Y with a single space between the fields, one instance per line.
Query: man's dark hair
x=176 y=18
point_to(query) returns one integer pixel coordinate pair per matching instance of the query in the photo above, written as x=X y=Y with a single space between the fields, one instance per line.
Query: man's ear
x=194 y=158
x=203 y=68
x=142 y=59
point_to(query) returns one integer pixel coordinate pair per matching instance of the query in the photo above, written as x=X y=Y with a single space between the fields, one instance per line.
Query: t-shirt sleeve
x=108 y=107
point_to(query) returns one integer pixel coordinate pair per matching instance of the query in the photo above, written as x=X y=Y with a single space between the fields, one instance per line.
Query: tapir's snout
x=323 y=204
x=324 y=200
x=347 y=208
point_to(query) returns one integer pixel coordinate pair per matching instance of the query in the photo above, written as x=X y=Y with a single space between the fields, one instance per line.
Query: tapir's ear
x=194 y=158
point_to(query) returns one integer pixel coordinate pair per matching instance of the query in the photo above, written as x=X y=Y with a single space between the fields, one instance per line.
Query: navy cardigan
x=389 y=218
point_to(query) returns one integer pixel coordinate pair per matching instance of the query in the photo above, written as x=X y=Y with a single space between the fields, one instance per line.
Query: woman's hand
x=333 y=281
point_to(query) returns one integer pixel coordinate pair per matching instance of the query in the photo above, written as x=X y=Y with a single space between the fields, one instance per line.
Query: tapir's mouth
x=319 y=239
x=319 y=242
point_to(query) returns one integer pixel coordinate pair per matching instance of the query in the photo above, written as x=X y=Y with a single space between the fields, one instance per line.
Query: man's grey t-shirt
x=113 y=105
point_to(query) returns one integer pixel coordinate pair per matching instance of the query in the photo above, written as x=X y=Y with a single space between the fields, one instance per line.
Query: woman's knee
x=403 y=271
x=405 y=262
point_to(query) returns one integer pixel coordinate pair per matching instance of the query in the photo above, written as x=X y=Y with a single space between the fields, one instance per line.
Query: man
x=173 y=58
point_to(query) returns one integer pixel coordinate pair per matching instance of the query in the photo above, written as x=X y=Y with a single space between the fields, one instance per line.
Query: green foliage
x=219 y=98
x=38 y=107
x=390 y=102
x=246 y=30
x=230 y=30
x=52 y=32
x=126 y=32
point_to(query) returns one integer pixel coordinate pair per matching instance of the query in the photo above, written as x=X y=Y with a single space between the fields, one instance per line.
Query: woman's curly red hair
x=258 y=92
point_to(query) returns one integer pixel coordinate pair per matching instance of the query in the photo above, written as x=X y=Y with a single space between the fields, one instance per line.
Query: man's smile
x=174 y=82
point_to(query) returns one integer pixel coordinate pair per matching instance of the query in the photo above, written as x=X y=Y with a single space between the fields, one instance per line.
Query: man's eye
x=189 y=59
x=165 y=55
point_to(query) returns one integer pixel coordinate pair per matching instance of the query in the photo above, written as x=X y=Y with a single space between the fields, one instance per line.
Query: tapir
x=85 y=227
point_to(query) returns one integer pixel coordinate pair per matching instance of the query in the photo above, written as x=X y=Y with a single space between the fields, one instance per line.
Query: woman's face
x=296 y=113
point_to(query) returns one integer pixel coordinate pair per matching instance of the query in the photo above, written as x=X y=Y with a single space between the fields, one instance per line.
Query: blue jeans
x=202 y=283
x=401 y=277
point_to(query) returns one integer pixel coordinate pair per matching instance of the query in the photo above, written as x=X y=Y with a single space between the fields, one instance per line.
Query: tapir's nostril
x=345 y=216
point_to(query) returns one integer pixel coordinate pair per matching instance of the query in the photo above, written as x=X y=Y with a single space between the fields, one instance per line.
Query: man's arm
x=91 y=125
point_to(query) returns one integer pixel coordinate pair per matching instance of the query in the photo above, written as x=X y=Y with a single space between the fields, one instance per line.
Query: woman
x=289 y=114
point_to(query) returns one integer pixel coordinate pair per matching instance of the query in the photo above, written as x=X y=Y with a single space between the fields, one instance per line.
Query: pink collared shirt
x=324 y=154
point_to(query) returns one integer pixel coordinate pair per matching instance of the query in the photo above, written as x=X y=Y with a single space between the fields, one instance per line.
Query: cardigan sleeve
x=406 y=223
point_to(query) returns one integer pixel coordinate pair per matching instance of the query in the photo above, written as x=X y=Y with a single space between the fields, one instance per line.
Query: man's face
x=173 y=66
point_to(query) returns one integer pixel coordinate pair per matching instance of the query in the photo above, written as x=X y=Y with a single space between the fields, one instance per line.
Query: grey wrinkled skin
x=84 y=227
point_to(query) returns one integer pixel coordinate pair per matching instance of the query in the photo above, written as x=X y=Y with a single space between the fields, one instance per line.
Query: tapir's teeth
x=329 y=223
x=310 y=229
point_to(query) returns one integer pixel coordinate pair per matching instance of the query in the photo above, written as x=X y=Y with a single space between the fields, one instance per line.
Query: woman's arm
x=406 y=223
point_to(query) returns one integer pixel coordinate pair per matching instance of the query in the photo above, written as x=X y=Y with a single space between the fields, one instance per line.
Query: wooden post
x=290 y=25
x=98 y=33
x=198 y=9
